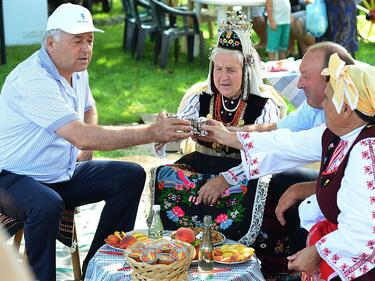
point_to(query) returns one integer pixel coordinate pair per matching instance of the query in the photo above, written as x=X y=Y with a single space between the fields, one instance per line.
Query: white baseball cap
x=71 y=18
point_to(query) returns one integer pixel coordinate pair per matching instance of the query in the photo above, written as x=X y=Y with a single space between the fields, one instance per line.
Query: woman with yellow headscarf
x=341 y=214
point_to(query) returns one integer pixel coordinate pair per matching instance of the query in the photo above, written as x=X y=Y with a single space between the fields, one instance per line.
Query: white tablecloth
x=223 y=5
x=111 y=267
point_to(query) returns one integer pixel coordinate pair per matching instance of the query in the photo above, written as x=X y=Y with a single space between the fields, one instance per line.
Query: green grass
x=124 y=88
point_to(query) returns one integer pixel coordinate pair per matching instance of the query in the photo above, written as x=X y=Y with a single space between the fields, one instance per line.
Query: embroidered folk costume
x=175 y=185
x=343 y=219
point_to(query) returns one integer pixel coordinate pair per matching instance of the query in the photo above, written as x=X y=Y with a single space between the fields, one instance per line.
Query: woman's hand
x=211 y=191
x=306 y=260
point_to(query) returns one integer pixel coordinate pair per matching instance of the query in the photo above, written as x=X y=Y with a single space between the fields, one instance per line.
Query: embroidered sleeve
x=270 y=114
x=234 y=175
x=272 y=152
x=350 y=250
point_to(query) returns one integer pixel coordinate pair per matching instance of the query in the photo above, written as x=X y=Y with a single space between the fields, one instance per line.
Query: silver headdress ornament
x=236 y=20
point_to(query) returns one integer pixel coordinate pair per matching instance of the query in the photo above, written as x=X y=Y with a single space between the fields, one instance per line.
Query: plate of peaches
x=121 y=240
x=194 y=237
x=233 y=254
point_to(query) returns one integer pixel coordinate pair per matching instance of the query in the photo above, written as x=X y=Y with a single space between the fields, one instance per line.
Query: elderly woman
x=235 y=96
x=341 y=242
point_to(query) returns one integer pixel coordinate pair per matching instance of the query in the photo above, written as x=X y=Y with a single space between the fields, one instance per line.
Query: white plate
x=195 y=262
x=116 y=248
x=235 y=262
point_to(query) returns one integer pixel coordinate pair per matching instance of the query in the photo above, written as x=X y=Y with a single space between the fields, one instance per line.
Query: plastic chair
x=130 y=25
x=205 y=16
x=145 y=25
x=169 y=33
x=15 y=228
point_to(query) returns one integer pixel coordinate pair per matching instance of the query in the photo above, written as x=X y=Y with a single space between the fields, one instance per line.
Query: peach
x=217 y=252
x=218 y=258
x=112 y=240
x=127 y=241
x=185 y=234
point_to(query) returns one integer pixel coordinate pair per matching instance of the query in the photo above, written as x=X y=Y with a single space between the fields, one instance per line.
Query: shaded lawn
x=124 y=88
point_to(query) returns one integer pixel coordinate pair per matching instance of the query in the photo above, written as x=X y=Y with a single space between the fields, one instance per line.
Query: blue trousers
x=40 y=206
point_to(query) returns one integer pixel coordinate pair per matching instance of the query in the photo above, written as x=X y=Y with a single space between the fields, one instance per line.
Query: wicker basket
x=174 y=272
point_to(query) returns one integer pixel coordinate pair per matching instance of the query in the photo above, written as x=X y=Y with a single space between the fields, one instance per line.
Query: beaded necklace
x=237 y=118
x=215 y=112
x=227 y=109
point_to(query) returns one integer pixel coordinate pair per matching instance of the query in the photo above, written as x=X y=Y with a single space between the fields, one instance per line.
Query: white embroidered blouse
x=350 y=250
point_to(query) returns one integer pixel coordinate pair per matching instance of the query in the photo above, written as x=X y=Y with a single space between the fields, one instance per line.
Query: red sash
x=318 y=231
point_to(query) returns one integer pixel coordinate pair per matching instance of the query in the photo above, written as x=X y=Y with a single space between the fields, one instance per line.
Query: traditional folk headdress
x=352 y=84
x=235 y=34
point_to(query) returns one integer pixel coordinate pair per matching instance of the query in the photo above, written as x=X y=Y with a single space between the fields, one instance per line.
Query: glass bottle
x=206 y=261
x=156 y=229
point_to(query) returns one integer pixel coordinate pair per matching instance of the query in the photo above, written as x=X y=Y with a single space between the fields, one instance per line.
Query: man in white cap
x=48 y=125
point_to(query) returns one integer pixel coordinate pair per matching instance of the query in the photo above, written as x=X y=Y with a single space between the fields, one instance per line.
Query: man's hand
x=217 y=131
x=306 y=260
x=161 y=116
x=289 y=198
x=85 y=155
x=94 y=137
x=170 y=129
x=211 y=191
x=295 y=193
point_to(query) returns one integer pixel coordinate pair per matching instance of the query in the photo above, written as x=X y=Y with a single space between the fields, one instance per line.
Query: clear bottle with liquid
x=206 y=257
x=155 y=231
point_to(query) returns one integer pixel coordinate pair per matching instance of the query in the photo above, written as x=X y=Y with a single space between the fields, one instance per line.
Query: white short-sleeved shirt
x=304 y=118
x=281 y=11
x=35 y=101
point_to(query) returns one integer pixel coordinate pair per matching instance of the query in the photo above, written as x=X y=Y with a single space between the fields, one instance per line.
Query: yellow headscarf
x=352 y=84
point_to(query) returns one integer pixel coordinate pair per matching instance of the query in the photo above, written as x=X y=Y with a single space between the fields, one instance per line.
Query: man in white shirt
x=48 y=129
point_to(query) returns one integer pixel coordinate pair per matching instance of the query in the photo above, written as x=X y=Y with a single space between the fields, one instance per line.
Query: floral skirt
x=177 y=185
x=243 y=212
